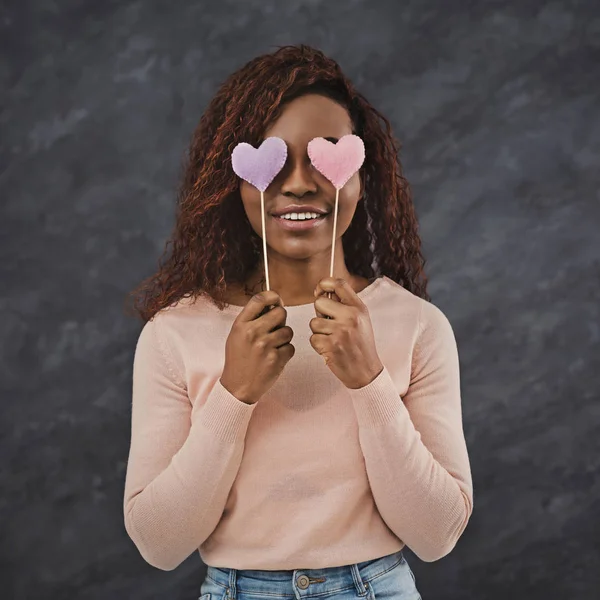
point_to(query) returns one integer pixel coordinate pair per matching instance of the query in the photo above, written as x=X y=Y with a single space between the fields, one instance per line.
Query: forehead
x=308 y=117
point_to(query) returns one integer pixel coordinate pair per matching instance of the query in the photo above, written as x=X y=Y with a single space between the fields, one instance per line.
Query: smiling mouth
x=318 y=217
x=300 y=224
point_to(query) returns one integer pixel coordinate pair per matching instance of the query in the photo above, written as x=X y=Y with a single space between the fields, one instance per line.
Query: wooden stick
x=264 y=237
x=335 y=213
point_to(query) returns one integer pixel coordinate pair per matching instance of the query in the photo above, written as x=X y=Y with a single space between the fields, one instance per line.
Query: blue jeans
x=385 y=578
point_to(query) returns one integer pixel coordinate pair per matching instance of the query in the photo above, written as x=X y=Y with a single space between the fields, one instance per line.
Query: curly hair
x=213 y=243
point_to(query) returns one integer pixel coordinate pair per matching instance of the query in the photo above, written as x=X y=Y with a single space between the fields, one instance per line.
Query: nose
x=298 y=179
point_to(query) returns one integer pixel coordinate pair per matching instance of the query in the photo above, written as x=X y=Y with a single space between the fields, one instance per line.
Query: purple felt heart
x=259 y=166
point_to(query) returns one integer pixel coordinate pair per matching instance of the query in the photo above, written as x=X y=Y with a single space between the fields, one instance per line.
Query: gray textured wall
x=497 y=105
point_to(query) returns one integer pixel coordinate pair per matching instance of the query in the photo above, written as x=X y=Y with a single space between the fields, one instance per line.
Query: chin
x=304 y=251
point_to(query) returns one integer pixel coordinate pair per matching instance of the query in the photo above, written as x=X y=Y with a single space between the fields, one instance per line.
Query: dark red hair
x=213 y=244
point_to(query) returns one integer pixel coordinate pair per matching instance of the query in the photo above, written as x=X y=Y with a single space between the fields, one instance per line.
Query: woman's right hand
x=257 y=348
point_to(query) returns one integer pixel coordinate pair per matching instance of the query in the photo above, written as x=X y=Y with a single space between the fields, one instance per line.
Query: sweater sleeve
x=182 y=463
x=415 y=451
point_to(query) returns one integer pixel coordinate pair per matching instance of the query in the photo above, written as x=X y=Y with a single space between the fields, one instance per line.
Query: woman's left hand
x=346 y=340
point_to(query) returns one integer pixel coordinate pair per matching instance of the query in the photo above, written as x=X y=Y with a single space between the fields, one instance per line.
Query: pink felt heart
x=338 y=162
x=259 y=166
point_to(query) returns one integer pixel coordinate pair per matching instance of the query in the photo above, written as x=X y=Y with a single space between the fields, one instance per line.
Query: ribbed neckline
x=364 y=294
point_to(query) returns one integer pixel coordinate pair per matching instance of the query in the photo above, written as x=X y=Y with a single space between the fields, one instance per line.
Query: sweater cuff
x=378 y=402
x=224 y=415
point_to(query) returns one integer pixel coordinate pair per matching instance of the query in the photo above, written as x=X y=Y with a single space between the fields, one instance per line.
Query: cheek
x=349 y=196
x=248 y=193
x=251 y=201
x=352 y=187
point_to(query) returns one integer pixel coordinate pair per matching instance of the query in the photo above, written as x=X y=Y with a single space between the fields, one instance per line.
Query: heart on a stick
x=337 y=162
x=259 y=166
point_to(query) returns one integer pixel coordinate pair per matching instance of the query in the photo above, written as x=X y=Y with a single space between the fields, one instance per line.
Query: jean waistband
x=257 y=581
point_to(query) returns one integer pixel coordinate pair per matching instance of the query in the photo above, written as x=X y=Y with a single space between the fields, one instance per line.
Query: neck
x=296 y=280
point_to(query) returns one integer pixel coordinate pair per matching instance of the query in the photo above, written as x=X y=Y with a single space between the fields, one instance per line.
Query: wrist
x=238 y=394
x=369 y=378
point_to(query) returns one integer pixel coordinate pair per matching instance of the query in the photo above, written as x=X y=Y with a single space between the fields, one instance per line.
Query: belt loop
x=231 y=590
x=361 y=588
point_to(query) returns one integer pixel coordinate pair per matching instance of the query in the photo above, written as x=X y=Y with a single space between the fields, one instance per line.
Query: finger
x=258 y=303
x=328 y=308
x=324 y=288
x=342 y=289
x=322 y=293
x=281 y=336
x=318 y=292
x=319 y=342
x=321 y=325
x=272 y=320
x=320 y=314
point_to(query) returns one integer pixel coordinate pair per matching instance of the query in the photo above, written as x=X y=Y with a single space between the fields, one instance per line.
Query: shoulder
x=431 y=328
x=392 y=289
x=436 y=340
x=399 y=301
x=184 y=313
x=179 y=330
x=429 y=315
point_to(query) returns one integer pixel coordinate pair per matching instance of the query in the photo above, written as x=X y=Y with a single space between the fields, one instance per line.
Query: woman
x=301 y=467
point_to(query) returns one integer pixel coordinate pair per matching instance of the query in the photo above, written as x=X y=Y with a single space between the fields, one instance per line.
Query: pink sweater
x=314 y=474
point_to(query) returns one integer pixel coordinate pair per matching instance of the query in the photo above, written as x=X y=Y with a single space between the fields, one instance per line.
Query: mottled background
x=497 y=105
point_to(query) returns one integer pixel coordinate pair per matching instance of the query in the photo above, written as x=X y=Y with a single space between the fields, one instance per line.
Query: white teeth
x=299 y=216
